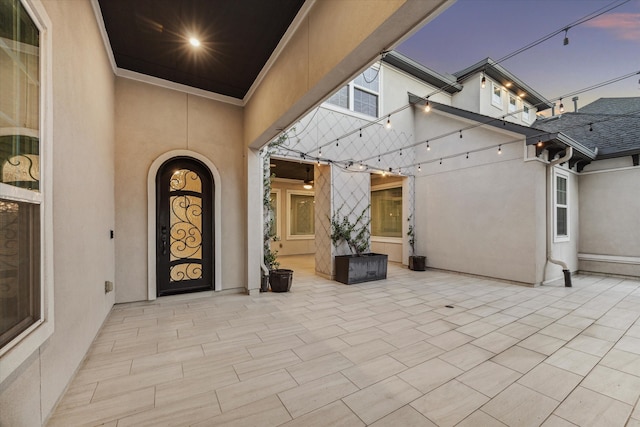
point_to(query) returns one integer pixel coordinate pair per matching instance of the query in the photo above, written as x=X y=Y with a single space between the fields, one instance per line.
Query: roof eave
x=421 y=72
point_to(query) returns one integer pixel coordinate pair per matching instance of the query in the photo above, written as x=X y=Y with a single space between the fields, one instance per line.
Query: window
x=361 y=95
x=386 y=212
x=513 y=104
x=301 y=221
x=26 y=310
x=561 y=207
x=496 y=95
x=525 y=113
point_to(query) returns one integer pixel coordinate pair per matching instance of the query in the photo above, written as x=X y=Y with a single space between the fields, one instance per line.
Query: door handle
x=163 y=239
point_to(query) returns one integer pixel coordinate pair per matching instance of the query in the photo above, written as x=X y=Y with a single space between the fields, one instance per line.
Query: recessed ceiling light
x=194 y=41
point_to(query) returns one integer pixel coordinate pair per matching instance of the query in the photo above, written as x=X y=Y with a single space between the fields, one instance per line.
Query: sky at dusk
x=601 y=49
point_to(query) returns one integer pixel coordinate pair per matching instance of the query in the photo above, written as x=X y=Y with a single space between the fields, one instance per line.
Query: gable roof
x=500 y=74
x=610 y=125
x=445 y=82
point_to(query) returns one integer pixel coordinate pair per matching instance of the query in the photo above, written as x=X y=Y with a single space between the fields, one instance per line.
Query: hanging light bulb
x=561 y=106
x=401 y=151
x=590 y=127
x=440 y=161
x=389 y=121
x=337 y=143
x=361 y=133
x=428 y=146
x=499 y=149
x=467 y=154
x=419 y=168
x=361 y=167
x=461 y=133
x=566 y=38
x=378 y=157
x=483 y=82
x=320 y=153
x=427 y=106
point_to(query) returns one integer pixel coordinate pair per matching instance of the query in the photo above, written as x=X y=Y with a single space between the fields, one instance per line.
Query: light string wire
x=584 y=19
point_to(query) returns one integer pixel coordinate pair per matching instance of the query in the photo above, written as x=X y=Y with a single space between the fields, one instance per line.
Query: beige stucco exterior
x=108 y=130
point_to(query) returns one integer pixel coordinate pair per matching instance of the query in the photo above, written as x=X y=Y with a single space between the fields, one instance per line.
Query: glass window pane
x=496 y=97
x=365 y=102
x=19 y=268
x=301 y=218
x=368 y=79
x=561 y=190
x=386 y=212
x=19 y=103
x=561 y=218
x=512 y=104
x=340 y=98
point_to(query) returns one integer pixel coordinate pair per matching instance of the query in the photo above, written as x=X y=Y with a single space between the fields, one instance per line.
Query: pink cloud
x=625 y=26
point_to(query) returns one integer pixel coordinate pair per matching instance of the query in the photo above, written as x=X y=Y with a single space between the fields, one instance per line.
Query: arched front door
x=184 y=228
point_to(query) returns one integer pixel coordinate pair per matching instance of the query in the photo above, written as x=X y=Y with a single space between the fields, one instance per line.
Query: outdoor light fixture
x=483 y=82
x=499 y=149
x=427 y=106
x=561 y=106
x=308 y=183
x=194 y=41
x=539 y=143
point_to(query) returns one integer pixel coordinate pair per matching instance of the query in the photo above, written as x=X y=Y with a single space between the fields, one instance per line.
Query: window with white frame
x=513 y=104
x=301 y=215
x=526 y=115
x=496 y=95
x=361 y=95
x=21 y=281
x=561 y=207
x=386 y=212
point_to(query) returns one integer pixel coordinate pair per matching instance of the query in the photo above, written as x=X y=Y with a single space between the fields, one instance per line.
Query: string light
x=389 y=121
x=440 y=160
x=419 y=168
x=590 y=127
x=428 y=146
x=361 y=167
x=460 y=133
x=401 y=151
x=499 y=149
x=378 y=158
x=360 y=132
x=337 y=143
x=320 y=152
x=467 y=154
x=566 y=38
x=427 y=106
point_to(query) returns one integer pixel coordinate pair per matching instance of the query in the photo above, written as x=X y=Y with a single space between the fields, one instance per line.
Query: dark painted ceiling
x=238 y=37
x=291 y=170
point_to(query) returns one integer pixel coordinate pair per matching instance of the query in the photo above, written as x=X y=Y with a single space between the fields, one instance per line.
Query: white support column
x=254 y=220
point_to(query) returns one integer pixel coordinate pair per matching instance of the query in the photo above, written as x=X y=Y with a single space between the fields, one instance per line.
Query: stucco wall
x=484 y=214
x=83 y=213
x=609 y=206
x=150 y=121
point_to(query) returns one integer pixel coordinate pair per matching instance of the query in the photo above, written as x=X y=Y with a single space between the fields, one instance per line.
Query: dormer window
x=496 y=95
x=513 y=104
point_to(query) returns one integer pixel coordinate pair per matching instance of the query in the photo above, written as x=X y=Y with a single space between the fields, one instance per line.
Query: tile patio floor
x=387 y=353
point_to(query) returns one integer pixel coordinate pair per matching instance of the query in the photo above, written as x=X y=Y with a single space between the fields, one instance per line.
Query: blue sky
x=599 y=50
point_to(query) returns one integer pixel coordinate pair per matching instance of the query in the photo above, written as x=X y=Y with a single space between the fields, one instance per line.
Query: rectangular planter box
x=417 y=263
x=352 y=269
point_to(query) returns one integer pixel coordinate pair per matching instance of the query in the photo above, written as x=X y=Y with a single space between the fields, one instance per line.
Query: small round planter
x=417 y=263
x=280 y=280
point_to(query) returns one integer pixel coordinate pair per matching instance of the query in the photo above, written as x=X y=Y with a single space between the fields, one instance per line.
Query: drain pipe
x=565 y=269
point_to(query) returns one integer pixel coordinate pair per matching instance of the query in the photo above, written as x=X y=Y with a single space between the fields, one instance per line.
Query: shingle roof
x=612 y=125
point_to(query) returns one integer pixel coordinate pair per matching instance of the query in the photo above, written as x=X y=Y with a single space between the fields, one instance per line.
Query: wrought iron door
x=184 y=231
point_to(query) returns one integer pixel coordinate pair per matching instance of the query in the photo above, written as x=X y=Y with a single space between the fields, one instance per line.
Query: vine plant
x=270 y=256
x=355 y=234
x=412 y=236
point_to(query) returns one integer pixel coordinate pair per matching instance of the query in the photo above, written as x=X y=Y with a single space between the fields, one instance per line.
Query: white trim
x=151 y=218
x=380 y=239
x=614 y=259
x=395 y=184
x=626 y=168
x=284 y=41
x=132 y=75
x=561 y=238
x=103 y=33
x=288 y=215
x=15 y=353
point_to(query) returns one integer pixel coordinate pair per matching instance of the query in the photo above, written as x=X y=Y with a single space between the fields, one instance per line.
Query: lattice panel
x=324 y=247
x=351 y=195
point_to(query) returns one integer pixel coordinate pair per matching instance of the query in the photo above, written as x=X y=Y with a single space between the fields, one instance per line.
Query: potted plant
x=279 y=279
x=360 y=266
x=416 y=262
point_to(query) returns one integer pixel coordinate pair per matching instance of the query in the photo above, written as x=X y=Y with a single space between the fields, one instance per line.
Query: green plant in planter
x=270 y=256
x=416 y=262
x=355 y=234
x=412 y=236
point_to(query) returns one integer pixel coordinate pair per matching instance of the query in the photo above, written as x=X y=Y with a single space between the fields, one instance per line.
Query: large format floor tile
x=418 y=349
